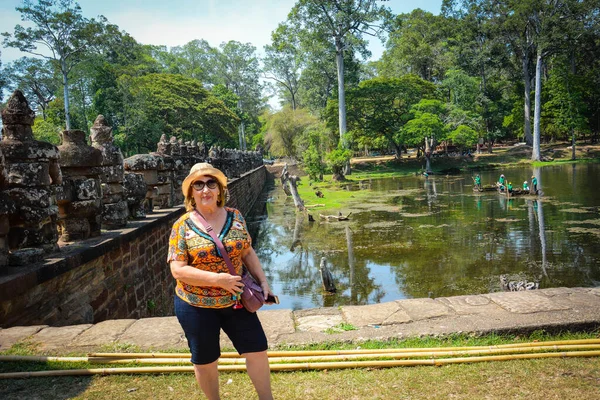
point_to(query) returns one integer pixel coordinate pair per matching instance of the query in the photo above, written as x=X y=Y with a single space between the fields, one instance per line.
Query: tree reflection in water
x=418 y=236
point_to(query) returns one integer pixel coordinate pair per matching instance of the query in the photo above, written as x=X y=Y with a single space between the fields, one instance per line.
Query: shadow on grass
x=58 y=388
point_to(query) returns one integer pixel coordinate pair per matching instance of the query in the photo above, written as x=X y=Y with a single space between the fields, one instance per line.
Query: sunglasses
x=199 y=185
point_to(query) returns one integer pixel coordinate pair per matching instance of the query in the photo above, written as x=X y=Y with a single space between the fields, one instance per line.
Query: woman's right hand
x=232 y=283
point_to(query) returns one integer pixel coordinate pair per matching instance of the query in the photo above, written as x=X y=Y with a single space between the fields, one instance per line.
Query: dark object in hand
x=272 y=299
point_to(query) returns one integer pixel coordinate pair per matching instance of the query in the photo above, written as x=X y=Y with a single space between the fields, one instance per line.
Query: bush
x=337 y=160
x=312 y=163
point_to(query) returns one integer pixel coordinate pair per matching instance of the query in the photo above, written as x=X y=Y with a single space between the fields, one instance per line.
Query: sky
x=177 y=22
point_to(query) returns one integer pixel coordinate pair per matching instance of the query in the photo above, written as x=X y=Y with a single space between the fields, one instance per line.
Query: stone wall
x=121 y=274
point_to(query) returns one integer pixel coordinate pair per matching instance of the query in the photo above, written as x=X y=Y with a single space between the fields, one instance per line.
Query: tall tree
x=338 y=23
x=282 y=63
x=479 y=50
x=237 y=68
x=35 y=79
x=417 y=45
x=61 y=28
x=549 y=20
x=195 y=59
x=381 y=107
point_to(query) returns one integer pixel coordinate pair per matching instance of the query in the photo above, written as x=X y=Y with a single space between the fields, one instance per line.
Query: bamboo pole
x=302 y=366
x=352 y=351
x=346 y=357
x=43 y=359
x=339 y=357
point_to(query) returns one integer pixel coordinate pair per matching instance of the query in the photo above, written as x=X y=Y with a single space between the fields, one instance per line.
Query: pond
x=433 y=237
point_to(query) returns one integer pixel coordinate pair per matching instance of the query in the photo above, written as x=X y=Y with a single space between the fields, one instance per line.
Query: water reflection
x=419 y=237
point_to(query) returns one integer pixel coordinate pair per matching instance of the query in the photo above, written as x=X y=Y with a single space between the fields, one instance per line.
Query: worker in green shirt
x=525 y=186
x=478 y=181
x=509 y=187
x=534 y=183
x=501 y=182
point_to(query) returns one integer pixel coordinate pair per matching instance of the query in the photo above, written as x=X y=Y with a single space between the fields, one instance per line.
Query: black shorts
x=202 y=327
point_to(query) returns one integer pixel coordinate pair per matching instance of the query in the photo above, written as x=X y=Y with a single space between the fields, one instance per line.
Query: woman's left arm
x=252 y=262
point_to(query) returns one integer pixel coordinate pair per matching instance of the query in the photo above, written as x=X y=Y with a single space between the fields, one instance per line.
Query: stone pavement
x=504 y=312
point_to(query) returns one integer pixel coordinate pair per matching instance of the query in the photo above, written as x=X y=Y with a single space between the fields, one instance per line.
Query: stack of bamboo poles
x=320 y=359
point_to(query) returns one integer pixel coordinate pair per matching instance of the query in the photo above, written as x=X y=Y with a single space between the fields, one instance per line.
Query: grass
x=532 y=379
x=341 y=327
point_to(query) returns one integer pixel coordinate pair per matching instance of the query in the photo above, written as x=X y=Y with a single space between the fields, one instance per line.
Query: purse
x=252 y=296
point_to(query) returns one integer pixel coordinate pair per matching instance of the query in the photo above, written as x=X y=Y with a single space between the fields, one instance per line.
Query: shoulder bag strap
x=209 y=229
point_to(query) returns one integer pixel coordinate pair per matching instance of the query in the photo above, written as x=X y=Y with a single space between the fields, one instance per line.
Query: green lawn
x=557 y=378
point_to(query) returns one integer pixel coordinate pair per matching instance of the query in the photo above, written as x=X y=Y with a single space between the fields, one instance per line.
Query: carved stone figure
x=134 y=190
x=114 y=206
x=147 y=165
x=80 y=207
x=32 y=176
x=7 y=207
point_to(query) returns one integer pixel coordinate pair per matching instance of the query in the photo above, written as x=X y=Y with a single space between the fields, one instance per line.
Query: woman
x=206 y=291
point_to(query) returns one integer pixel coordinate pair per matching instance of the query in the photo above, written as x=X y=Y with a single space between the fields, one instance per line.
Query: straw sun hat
x=202 y=169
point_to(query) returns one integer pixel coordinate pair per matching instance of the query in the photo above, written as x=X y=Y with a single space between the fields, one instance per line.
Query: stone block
x=154 y=333
x=38 y=197
x=28 y=174
x=82 y=209
x=10 y=336
x=375 y=314
x=54 y=338
x=87 y=189
x=72 y=229
x=112 y=173
x=419 y=309
x=525 y=302
x=467 y=305
x=103 y=333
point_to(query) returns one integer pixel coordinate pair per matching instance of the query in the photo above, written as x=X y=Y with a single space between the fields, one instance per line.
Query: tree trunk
x=351 y=263
x=241 y=129
x=66 y=95
x=535 y=154
x=290 y=181
x=573 y=157
x=398 y=150
x=339 y=52
x=527 y=105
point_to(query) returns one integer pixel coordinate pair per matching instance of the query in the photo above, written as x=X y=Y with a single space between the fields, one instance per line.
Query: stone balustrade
x=33 y=177
x=100 y=189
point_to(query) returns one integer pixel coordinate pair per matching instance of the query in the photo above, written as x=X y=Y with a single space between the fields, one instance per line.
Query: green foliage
x=379 y=108
x=565 y=110
x=463 y=136
x=286 y=129
x=46 y=131
x=464 y=89
x=313 y=163
x=416 y=45
x=35 y=78
x=176 y=106
x=337 y=160
x=426 y=125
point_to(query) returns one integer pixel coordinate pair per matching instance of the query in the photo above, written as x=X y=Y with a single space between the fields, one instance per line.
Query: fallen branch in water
x=335 y=217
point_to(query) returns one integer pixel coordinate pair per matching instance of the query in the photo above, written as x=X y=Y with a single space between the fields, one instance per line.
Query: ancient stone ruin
x=80 y=205
x=93 y=187
x=146 y=165
x=114 y=206
x=7 y=207
x=33 y=175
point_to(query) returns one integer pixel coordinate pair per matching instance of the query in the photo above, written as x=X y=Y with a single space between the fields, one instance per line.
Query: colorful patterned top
x=190 y=244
